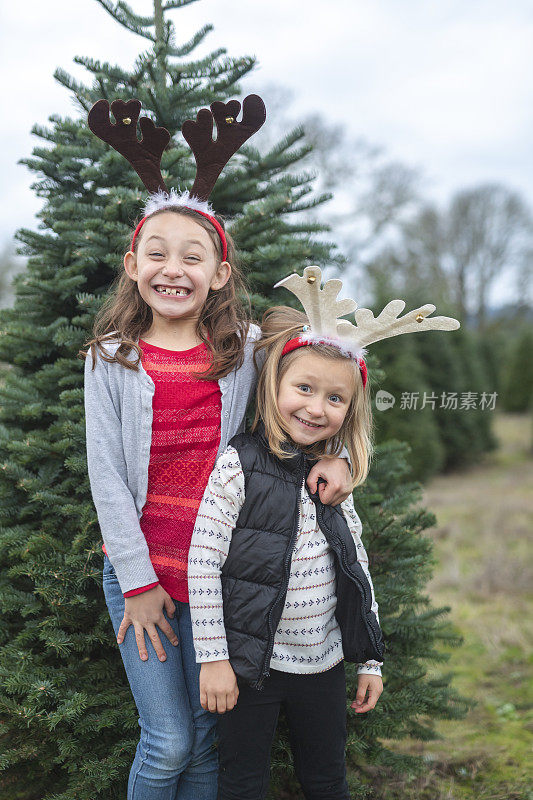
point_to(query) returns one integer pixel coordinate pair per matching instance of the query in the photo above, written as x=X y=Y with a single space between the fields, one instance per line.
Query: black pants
x=315 y=706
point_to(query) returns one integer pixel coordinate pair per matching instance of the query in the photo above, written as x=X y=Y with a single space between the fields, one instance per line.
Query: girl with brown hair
x=168 y=376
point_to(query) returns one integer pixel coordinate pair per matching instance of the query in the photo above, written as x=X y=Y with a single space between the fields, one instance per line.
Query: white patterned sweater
x=308 y=637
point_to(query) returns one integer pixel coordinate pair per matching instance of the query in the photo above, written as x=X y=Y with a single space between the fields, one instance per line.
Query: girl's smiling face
x=314 y=396
x=175 y=266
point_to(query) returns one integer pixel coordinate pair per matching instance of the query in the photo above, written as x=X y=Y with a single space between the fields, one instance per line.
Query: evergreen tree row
x=445 y=399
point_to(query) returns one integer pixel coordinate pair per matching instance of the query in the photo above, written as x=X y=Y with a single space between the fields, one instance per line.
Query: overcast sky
x=446 y=86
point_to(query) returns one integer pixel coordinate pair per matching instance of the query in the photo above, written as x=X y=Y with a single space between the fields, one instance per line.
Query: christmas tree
x=411 y=418
x=518 y=388
x=449 y=381
x=473 y=365
x=69 y=725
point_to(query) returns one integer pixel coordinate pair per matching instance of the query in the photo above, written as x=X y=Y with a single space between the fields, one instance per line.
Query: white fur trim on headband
x=344 y=347
x=160 y=200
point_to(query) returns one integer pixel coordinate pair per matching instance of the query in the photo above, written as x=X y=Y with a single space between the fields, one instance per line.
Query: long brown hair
x=222 y=325
x=280 y=324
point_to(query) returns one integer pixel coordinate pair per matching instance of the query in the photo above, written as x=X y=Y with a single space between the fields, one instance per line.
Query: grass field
x=485 y=573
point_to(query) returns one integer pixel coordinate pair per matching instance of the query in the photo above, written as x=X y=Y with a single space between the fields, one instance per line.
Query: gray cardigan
x=118 y=414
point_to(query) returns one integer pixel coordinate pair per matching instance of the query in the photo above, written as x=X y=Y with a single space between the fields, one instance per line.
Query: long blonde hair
x=222 y=325
x=280 y=324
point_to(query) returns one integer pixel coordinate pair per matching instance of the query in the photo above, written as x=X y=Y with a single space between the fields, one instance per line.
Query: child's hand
x=374 y=685
x=336 y=473
x=218 y=686
x=144 y=611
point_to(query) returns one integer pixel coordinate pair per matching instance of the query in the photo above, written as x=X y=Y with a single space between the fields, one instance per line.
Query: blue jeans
x=176 y=758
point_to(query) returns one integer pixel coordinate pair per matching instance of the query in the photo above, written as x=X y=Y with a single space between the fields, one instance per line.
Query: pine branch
x=123 y=14
x=74 y=86
x=109 y=71
x=189 y=46
x=211 y=66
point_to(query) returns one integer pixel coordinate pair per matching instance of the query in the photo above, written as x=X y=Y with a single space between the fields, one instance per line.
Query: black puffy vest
x=255 y=575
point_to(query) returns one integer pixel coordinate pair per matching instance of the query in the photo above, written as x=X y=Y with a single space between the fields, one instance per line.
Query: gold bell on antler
x=311 y=278
x=419 y=317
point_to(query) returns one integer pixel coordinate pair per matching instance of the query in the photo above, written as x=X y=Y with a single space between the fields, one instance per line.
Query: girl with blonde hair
x=279 y=587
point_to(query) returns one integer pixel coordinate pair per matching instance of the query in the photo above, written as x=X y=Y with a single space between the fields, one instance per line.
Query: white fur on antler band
x=345 y=348
x=173 y=199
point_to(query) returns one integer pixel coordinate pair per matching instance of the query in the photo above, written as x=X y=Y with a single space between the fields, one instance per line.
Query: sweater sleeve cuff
x=216 y=651
x=369 y=668
x=141 y=589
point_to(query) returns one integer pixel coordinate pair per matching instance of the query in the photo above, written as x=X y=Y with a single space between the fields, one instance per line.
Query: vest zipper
x=265 y=668
x=348 y=572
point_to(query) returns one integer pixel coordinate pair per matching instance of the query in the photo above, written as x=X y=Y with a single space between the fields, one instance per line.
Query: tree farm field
x=484 y=572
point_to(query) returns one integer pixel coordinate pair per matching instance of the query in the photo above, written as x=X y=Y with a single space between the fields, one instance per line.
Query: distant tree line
x=397 y=244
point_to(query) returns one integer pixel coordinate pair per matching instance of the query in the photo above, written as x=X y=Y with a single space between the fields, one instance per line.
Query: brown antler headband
x=211 y=156
x=144 y=155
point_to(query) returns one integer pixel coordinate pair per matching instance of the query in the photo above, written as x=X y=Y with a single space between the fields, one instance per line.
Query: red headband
x=215 y=223
x=294 y=344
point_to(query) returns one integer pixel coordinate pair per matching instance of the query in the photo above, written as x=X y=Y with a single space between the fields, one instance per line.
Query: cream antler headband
x=323 y=311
